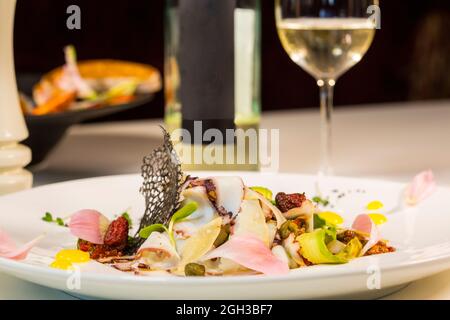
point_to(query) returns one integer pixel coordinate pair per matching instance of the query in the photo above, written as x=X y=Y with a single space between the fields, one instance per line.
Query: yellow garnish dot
x=73 y=256
x=378 y=218
x=65 y=258
x=375 y=205
x=62 y=264
x=331 y=217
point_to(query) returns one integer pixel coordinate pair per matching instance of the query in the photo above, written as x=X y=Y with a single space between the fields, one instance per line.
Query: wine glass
x=325 y=38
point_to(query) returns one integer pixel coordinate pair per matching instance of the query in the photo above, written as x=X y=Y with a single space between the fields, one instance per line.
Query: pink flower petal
x=5 y=242
x=89 y=225
x=422 y=186
x=251 y=253
x=363 y=223
x=9 y=250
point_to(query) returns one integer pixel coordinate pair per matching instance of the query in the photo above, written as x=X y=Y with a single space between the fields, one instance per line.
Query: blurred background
x=409 y=59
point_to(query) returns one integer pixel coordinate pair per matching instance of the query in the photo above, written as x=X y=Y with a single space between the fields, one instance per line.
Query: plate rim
x=210 y=173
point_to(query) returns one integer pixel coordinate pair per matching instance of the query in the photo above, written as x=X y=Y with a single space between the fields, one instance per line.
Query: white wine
x=326 y=47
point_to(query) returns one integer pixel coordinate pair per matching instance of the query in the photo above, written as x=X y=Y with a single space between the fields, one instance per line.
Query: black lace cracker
x=163 y=181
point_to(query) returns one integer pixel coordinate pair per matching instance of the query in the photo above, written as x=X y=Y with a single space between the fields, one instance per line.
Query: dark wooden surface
x=405 y=62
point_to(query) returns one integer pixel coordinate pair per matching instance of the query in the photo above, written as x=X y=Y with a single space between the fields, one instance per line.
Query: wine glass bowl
x=325 y=38
x=326 y=48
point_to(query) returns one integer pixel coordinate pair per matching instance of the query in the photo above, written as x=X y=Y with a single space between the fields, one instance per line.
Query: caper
x=287 y=228
x=194 y=270
x=223 y=235
x=284 y=230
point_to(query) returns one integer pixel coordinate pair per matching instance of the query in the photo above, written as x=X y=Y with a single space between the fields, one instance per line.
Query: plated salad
x=215 y=226
x=223 y=227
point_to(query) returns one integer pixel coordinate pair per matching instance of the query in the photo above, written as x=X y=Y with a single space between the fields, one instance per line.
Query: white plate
x=421 y=236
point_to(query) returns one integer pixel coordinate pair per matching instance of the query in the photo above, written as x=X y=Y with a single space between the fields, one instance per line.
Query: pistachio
x=223 y=235
x=287 y=228
x=194 y=270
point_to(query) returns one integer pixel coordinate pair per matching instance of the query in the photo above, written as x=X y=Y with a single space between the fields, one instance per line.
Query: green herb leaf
x=184 y=212
x=146 y=232
x=60 y=222
x=330 y=229
x=47 y=217
x=179 y=215
x=318 y=222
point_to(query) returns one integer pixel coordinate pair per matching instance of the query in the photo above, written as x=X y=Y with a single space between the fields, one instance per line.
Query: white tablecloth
x=391 y=141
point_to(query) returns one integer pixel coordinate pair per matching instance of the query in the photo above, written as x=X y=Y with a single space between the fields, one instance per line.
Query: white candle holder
x=13 y=156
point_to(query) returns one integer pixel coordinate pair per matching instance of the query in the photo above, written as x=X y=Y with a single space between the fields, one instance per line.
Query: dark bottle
x=212 y=70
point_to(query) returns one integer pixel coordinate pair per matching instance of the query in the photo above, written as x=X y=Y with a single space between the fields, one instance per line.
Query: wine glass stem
x=326 y=111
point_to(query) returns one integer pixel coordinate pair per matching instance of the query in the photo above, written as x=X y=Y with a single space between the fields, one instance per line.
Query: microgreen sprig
x=147 y=231
x=319 y=200
x=178 y=216
x=48 y=217
x=183 y=213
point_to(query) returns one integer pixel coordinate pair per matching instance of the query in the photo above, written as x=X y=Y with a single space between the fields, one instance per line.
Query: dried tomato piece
x=346 y=236
x=85 y=246
x=102 y=251
x=117 y=234
x=379 y=248
x=286 y=202
x=115 y=241
x=98 y=251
